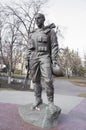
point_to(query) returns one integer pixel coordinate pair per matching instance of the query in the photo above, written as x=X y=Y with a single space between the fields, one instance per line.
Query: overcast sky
x=70 y=15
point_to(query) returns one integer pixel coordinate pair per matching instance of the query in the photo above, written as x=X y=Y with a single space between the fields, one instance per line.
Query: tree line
x=71 y=62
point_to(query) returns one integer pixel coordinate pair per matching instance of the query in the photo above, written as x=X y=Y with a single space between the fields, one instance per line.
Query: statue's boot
x=53 y=111
x=37 y=103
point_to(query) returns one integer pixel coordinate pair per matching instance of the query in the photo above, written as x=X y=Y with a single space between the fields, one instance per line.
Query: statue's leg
x=38 y=94
x=50 y=91
x=36 y=79
x=53 y=110
x=47 y=75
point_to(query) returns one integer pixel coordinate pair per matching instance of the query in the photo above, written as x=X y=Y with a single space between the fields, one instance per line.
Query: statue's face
x=39 y=19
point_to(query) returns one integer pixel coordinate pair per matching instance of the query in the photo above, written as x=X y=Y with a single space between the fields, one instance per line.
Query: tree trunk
x=10 y=65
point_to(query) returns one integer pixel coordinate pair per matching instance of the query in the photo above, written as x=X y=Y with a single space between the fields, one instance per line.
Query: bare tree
x=14 y=34
x=85 y=61
x=26 y=12
x=70 y=62
x=3 y=17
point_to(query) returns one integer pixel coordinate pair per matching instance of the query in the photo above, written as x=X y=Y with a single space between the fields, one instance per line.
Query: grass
x=82 y=95
x=78 y=81
x=14 y=86
x=6 y=89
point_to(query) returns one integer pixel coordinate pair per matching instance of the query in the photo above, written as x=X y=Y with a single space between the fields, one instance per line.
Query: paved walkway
x=73 y=115
x=22 y=98
x=67 y=88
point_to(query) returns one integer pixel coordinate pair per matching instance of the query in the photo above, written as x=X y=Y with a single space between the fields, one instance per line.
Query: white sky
x=70 y=15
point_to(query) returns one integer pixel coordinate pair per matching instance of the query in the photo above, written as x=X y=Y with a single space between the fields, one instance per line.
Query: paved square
x=66 y=103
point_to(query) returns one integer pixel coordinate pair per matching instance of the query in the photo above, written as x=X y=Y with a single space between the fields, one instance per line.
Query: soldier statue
x=42 y=53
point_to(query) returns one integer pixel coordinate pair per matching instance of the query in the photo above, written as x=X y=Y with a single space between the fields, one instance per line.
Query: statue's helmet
x=40 y=15
x=57 y=71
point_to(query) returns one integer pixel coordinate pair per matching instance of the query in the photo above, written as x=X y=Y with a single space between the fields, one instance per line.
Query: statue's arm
x=54 y=46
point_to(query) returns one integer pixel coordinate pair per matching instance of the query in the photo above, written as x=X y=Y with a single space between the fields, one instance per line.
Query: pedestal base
x=41 y=118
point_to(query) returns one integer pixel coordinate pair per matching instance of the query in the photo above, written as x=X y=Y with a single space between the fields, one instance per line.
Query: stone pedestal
x=42 y=117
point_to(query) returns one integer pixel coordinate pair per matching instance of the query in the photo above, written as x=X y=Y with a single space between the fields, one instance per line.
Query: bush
x=17 y=72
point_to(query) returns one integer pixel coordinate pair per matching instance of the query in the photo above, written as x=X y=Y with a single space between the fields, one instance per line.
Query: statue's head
x=40 y=18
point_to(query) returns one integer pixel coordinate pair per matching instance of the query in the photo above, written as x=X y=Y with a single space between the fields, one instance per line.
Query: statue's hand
x=54 y=63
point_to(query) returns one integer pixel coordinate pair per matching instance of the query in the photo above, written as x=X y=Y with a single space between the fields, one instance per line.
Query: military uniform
x=42 y=51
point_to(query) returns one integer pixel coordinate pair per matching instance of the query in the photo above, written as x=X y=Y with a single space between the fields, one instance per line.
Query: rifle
x=50 y=26
x=27 y=76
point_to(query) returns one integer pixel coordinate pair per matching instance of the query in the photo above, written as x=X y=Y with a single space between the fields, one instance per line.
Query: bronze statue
x=42 y=53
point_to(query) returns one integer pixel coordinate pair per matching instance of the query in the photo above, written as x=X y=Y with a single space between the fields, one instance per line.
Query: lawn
x=78 y=81
x=82 y=95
